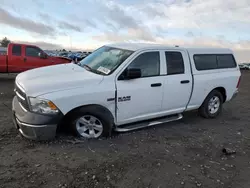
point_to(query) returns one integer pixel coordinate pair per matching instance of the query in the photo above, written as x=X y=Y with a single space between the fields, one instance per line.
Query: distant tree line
x=4 y=42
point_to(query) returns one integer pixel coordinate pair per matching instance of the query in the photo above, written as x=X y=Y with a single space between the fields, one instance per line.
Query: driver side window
x=148 y=62
x=31 y=51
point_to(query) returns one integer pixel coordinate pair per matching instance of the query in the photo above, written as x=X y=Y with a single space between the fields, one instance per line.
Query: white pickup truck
x=123 y=87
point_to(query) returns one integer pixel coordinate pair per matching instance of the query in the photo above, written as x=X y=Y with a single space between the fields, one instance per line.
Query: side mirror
x=132 y=73
x=42 y=55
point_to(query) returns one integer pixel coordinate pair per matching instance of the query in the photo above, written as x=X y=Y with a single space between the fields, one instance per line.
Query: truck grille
x=21 y=97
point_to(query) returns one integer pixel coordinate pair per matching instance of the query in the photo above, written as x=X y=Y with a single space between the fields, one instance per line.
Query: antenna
x=70 y=42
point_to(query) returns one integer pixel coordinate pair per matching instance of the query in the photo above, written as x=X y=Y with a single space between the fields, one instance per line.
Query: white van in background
x=124 y=87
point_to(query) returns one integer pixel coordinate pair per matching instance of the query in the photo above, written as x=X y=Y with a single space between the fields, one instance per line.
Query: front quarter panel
x=68 y=100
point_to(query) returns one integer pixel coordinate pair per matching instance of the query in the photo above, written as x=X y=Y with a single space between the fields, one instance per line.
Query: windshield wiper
x=86 y=66
x=92 y=70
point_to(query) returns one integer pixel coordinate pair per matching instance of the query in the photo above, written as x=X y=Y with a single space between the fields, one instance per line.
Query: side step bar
x=140 y=125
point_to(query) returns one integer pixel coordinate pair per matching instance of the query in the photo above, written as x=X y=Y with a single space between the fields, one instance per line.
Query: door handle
x=156 y=85
x=25 y=59
x=185 y=81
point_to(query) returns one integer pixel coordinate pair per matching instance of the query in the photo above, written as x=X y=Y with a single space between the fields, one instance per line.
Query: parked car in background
x=69 y=54
x=63 y=54
x=3 y=53
x=244 y=66
x=22 y=57
x=76 y=56
x=124 y=87
x=3 y=49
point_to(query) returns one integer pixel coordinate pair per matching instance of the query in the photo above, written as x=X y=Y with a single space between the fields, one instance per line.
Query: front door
x=141 y=98
x=32 y=59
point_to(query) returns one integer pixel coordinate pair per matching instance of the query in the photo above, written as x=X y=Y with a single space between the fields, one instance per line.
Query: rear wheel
x=212 y=105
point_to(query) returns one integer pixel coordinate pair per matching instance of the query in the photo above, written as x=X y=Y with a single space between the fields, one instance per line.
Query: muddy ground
x=186 y=153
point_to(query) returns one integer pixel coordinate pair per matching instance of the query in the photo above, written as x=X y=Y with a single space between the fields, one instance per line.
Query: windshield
x=105 y=59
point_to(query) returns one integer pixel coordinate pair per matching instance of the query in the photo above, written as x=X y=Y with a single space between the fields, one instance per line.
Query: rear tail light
x=238 y=84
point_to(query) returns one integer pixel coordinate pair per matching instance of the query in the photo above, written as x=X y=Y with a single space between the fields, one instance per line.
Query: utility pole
x=70 y=42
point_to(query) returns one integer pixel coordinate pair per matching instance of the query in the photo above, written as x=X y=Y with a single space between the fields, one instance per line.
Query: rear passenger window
x=226 y=61
x=205 y=62
x=16 y=50
x=175 y=64
x=214 y=61
x=148 y=62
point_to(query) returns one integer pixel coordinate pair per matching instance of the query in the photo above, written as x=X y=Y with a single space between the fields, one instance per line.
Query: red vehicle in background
x=22 y=57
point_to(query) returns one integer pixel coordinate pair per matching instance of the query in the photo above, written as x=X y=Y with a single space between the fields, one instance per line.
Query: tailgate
x=3 y=63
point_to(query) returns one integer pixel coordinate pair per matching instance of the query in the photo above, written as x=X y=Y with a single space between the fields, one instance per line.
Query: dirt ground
x=186 y=153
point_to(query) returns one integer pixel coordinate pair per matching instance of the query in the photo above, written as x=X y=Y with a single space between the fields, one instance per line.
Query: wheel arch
x=222 y=90
x=67 y=116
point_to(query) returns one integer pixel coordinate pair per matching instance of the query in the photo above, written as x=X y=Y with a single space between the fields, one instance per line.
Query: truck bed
x=3 y=63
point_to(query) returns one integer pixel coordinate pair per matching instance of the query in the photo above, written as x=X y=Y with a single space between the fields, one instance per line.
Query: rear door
x=177 y=81
x=16 y=59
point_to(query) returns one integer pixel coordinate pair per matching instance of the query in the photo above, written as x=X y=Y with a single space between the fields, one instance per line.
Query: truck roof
x=22 y=44
x=150 y=46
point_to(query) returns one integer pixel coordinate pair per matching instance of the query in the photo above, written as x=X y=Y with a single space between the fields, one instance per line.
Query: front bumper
x=34 y=126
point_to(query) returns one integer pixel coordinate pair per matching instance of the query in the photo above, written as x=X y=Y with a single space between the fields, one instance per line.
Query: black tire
x=101 y=113
x=204 y=109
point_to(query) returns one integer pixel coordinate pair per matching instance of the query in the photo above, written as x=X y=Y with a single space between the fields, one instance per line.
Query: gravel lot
x=186 y=153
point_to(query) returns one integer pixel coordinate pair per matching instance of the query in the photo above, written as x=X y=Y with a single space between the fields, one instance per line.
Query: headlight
x=42 y=106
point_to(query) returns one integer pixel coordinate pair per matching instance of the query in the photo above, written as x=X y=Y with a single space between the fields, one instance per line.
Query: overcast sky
x=88 y=24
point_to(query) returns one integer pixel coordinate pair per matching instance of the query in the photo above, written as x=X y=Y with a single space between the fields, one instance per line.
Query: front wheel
x=89 y=126
x=212 y=105
x=91 y=122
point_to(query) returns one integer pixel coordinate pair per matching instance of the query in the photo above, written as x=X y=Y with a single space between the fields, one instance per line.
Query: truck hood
x=54 y=78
